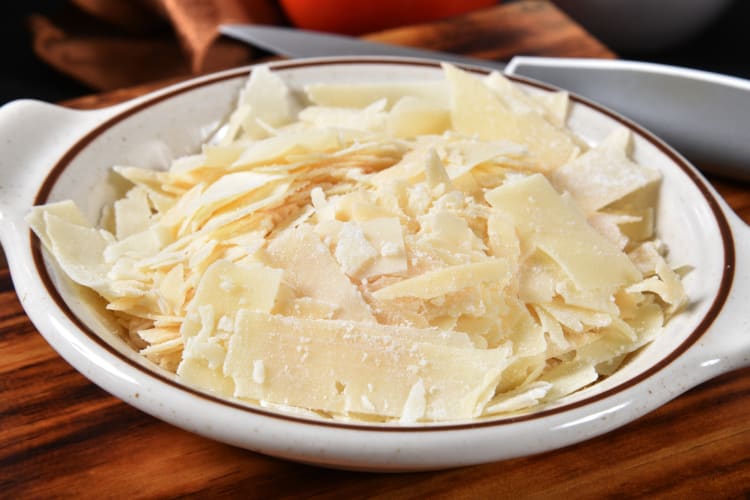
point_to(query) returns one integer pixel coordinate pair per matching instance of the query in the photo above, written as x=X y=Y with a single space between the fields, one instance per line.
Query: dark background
x=722 y=48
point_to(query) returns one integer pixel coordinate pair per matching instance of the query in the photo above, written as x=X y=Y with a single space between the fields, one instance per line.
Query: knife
x=704 y=115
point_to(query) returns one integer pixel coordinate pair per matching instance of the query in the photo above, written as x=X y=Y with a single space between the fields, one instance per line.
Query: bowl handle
x=34 y=135
x=726 y=345
x=739 y=298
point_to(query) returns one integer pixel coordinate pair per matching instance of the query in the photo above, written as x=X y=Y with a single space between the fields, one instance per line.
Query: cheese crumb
x=353 y=251
x=259 y=371
x=415 y=405
x=367 y=404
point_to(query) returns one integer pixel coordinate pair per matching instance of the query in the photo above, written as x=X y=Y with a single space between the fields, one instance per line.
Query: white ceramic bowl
x=50 y=153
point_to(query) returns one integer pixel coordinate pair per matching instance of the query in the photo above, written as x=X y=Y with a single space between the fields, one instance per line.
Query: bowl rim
x=149 y=100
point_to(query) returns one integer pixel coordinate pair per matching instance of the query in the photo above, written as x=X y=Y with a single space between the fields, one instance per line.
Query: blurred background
x=62 y=49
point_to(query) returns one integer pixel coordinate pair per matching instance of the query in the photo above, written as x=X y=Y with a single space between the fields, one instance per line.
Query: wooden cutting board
x=61 y=436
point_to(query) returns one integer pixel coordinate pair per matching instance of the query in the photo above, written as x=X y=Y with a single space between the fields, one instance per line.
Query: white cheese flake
x=415 y=405
x=259 y=371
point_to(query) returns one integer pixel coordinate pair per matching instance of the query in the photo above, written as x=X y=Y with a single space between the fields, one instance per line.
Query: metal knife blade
x=290 y=42
x=705 y=116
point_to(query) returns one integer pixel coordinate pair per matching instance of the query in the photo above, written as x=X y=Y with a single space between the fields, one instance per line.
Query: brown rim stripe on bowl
x=716 y=306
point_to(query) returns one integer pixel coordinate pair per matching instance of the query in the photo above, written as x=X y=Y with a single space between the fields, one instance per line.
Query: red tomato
x=355 y=17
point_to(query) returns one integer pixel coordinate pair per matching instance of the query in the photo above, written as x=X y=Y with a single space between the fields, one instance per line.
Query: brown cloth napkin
x=110 y=44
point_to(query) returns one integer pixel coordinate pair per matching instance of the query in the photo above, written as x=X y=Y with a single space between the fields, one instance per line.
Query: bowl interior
x=176 y=123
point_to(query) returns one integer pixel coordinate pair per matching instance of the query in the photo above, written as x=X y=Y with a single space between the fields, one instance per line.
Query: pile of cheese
x=384 y=252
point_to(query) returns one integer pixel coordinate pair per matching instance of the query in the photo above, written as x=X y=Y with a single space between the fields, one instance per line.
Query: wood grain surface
x=530 y=28
x=61 y=436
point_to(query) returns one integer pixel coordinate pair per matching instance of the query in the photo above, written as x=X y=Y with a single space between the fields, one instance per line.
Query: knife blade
x=704 y=115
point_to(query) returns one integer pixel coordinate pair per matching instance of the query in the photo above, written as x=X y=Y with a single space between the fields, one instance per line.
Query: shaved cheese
x=359 y=95
x=412 y=116
x=259 y=371
x=266 y=99
x=474 y=153
x=503 y=240
x=306 y=307
x=324 y=376
x=476 y=109
x=313 y=272
x=172 y=288
x=603 y=174
x=447 y=280
x=151 y=180
x=224 y=288
x=227 y=286
x=556 y=105
x=392 y=253
x=65 y=210
x=518 y=399
x=132 y=214
x=385 y=235
x=609 y=226
x=553 y=105
x=522 y=370
x=435 y=172
x=567 y=378
x=79 y=250
x=275 y=148
x=198 y=373
x=545 y=220
x=372 y=118
x=553 y=329
x=666 y=284
x=416 y=404
x=232 y=186
x=142 y=244
x=353 y=250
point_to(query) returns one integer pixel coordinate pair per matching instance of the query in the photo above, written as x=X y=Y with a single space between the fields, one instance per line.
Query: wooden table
x=62 y=436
